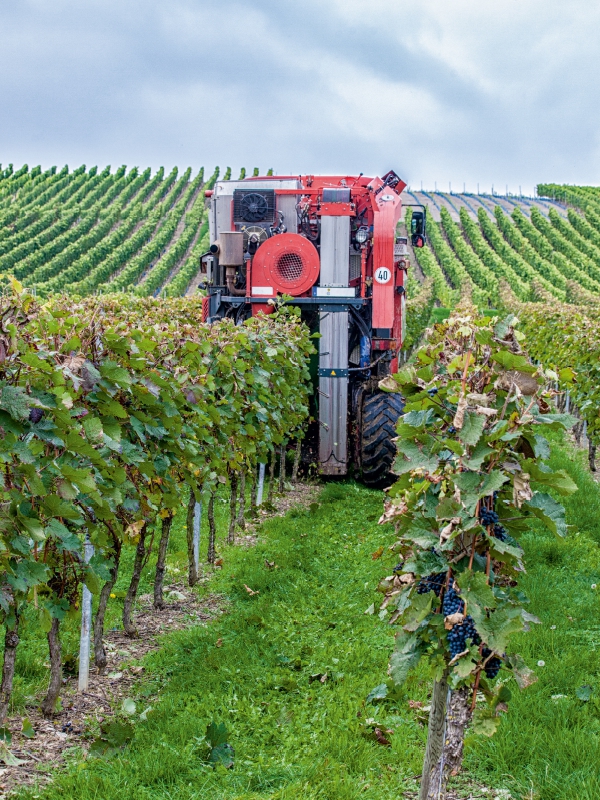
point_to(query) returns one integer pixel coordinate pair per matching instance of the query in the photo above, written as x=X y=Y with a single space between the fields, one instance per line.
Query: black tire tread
x=379 y=417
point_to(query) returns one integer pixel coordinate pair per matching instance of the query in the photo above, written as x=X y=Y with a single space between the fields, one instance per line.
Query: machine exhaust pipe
x=230 y=283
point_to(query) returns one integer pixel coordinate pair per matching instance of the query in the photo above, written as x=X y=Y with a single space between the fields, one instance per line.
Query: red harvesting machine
x=330 y=242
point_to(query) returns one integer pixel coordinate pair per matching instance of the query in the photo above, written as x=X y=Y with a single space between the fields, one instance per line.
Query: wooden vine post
x=469 y=448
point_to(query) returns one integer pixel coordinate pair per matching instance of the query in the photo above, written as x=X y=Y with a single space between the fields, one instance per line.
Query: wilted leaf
x=9 y=758
x=521 y=672
x=378 y=693
x=381 y=738
x=522 y=491
x=222 y=754
x=128 y=707
x=585 y=692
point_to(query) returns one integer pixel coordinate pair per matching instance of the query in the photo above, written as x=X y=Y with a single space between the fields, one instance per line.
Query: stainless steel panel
x=231 y=248
x=212 y=219
x=335 y=255
x=333 y=393
x=354 y=357
x=223 y=214
x=287 y=205
x=228 y=187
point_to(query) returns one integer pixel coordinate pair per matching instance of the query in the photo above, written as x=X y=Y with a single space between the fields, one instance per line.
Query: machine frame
x=331 y=242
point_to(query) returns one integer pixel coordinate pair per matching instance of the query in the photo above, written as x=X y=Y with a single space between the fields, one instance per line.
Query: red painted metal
x=337 y=210
x=289 y=263
x=377 y=207
x=205 y=308
x=387 y=209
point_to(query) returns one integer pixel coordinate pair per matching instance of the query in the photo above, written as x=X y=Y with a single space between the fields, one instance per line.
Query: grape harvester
x=331 y=243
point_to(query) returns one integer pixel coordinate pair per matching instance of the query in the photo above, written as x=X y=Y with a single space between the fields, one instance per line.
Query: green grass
x=294 y=738
x=31 y=674
x=551 y=747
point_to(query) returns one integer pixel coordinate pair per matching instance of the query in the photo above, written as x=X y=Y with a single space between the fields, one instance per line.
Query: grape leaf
x=560 y=481
x=472 y=428
x=14 y=400
x=551 y=513
x=406 y=655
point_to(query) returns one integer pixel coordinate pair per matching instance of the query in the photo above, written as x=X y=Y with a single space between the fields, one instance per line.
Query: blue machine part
x=365 y=352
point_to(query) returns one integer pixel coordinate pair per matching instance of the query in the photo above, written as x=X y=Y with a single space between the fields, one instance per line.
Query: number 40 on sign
x=383 y=275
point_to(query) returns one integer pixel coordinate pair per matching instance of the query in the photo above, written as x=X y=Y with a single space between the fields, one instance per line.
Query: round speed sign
x=383 y=275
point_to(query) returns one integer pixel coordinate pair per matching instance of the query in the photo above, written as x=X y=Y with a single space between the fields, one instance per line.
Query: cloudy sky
x=501 y=92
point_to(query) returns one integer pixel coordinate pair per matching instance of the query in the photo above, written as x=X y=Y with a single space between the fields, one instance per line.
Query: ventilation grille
x=355 y=260
x=252 y=205
x=289 y=267
x=354 y=357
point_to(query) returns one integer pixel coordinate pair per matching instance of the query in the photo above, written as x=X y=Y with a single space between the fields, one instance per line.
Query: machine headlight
x=362 y=234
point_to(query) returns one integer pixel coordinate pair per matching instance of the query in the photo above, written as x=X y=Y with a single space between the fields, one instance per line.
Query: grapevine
x=469 y=452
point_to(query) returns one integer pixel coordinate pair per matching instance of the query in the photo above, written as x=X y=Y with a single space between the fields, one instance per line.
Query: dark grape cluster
x=433 y=391
x=35 y=415
x=492 y=668
x=452 y=602
x=488 y=517
x=451 y=429
x=458 y=636
x=500 y=532
x=432 y=583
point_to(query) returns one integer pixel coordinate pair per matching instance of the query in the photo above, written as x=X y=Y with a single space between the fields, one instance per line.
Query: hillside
x=88 y=231
x=541 y=248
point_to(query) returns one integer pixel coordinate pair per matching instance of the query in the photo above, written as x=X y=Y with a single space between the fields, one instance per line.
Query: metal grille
x=354 y=357
x=355 y=263
x=289 y=267
x=250 y=205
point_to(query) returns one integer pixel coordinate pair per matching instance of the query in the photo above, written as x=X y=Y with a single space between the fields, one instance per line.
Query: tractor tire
x=380 y=414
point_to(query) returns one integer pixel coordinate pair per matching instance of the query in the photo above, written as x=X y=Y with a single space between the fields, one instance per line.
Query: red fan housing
x=285 y=264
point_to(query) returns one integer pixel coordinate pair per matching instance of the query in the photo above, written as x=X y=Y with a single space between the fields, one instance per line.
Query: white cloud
x=441 y=90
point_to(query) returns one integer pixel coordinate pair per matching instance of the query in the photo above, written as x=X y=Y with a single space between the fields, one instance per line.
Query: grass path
x=256 y=669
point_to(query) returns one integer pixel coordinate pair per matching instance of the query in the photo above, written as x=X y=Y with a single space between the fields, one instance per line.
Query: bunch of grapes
x=432 y=583
x=488 y=517
x=457 y=637
x=452 y=602
x=500 y=532
x=492 y=668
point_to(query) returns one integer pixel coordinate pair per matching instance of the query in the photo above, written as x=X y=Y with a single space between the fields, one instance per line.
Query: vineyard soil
x=290 y=664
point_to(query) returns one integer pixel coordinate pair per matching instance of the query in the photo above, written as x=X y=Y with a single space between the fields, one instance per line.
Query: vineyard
x=90 y=232
x=543 y=266
x=139 y=443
